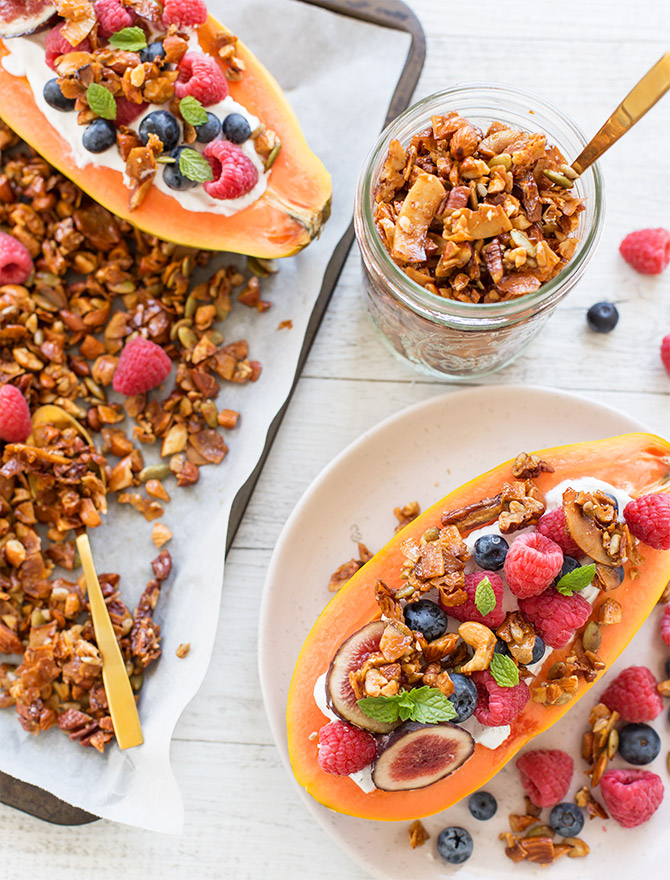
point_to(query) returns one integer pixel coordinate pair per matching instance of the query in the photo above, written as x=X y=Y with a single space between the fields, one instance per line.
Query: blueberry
x=162 y=124
x=153 y=52
x=208 y=130
x=538 y=650
x=55 y=98
x=464 y=697
x=482 y=805
x=502 y=648
x=454 y=844
x=566 y=819
x=426 y=617
x=236 y=128
x=99 y=136
x=173 y=176
x=602 y=317
x=569 y=564
x=613 y=500
x=638 y=743
x=490 y=552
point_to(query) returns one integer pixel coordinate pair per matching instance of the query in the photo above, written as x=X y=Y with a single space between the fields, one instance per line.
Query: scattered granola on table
x=477 y=216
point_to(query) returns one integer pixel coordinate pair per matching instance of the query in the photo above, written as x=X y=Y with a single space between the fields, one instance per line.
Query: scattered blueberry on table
x=454 y=845
x=639 y=743
x=482 y=805
x=566 y=819
x=602 y=317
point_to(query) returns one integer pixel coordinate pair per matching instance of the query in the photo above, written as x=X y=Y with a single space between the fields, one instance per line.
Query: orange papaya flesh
x=289 y=214
x=637 y=463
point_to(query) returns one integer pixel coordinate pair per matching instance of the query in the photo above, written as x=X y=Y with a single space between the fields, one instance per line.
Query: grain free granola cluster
x=97 y=283
x=477 y=216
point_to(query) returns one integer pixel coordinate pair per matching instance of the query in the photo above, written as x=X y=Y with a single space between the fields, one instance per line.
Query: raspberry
x=184 y=13
x=546 y=775
x=234 y=173
x=665 y=625
x=142 y=365
x=112 y=17
x=16 y=264
x=200 y=76
x=127 y=111
x=345 y=749
x=531 y=565
x=468 y=610
x=14 y=415
x=647 y=250
x=56 y=45
x=555 y=617
x=498 y=705
x=552 y=525
x=648 y=519
x=631 y=796
x=633 y=695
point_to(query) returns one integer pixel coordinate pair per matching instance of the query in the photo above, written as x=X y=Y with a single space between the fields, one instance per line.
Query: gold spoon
x=120 y=697
x=653 y=85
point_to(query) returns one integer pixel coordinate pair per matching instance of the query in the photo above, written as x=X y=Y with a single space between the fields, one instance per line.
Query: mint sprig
x=194 y=166
x=101 y=101
x=192 y=111
x=425 y=704
x=576 y=580
x=130 y=39
x=485 y=598
x=504 y=670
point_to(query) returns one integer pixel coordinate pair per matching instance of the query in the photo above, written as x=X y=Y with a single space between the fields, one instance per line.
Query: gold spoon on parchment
x=120 y=697
x=642 y=97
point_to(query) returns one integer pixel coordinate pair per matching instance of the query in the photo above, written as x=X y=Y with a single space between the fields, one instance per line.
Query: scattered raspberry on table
x=648 y=518
x=142 y=366
x=633 y=695
x=344 y=749
x=546 y=775
x=498 y=705
x=647 y=250
x=555 y=617
x=631 y=796
x=533 y=561
x=15 y=423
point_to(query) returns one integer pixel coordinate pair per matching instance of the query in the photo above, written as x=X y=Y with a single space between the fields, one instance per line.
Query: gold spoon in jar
x=120 y=697
x=642 y=97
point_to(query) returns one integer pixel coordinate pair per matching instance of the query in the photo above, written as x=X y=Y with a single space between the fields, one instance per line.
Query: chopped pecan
x=527 y=466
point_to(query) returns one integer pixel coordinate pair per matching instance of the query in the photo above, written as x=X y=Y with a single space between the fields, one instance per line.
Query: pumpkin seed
x=209 y=413
x=154 y=472
x=557 y=178
x=94 y=388
x=137 y=681
x=182 y=322
x=190 y=306
x=522 y=241
x=404 y=593
x=569 y=171
x=165 y=160
x=503 y=159
x=540 y=831
x=37 y=618
x=431 y=534
x=270 y=161
x=612 y=743
x=187 y=336
x=592 y=637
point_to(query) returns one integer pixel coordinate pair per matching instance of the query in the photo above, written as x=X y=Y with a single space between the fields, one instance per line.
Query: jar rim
x=413 y=293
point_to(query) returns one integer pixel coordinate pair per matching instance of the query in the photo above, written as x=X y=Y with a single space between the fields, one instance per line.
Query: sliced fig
x=350 y=656
x=18 y=18
x=417 y=755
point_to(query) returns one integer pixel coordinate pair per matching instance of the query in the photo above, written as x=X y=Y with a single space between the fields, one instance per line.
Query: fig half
x=417 y=755
x=18 y=18
x=350 y=656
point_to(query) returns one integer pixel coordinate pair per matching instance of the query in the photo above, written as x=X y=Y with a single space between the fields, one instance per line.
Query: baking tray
x=392 y=14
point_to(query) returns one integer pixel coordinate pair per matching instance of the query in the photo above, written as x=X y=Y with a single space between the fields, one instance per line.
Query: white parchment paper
x=339 y=74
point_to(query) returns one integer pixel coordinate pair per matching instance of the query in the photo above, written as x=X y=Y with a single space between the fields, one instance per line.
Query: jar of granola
x=453 y=300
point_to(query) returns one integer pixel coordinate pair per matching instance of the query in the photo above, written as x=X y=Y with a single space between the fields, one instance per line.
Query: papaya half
x=637 y=463
x=286 y=218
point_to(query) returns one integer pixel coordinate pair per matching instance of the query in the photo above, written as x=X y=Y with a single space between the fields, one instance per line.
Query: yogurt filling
x=26 y=58
x=489 y=737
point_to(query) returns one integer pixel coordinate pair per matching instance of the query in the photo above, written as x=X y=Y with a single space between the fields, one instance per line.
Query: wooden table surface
x=244 y=818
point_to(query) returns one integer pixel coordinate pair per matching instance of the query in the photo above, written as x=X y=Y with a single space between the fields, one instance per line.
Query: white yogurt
x=26 y=58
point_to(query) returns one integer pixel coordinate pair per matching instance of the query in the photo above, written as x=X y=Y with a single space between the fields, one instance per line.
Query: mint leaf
x=431 y=706
x=194 y=166
x=504 y=670
x=130 y=39
x=384 y=709
x=576 y=580
x=192 y=111
x=485 y=598
x=101 y=101
x=405 y=705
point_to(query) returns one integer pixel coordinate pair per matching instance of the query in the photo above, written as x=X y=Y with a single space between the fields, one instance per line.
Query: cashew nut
x=482 y=640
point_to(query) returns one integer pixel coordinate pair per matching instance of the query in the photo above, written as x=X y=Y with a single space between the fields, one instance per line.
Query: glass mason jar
x=448 y=338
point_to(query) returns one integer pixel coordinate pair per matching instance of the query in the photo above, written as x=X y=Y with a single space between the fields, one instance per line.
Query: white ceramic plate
x=422 y=453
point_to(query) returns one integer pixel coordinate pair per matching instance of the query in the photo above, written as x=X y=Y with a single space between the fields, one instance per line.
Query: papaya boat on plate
x=274 y=207
x=425 y=762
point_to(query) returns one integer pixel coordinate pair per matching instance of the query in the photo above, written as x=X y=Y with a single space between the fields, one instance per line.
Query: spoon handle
x=653 y=85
